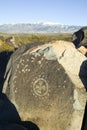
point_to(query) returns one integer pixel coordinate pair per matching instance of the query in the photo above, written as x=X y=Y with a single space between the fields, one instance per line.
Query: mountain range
x=38 y=28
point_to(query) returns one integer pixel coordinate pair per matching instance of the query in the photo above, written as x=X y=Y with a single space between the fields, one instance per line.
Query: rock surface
x=80 y=37
x=44 y=84
x=9 y=117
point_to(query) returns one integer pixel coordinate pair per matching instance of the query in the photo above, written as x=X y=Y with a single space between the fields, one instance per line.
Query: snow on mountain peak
x=51 y=23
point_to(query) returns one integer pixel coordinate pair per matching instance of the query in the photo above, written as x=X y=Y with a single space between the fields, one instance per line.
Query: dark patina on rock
x=41 y=89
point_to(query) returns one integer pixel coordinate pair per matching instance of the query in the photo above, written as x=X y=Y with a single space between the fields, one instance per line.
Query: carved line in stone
x=40 y=87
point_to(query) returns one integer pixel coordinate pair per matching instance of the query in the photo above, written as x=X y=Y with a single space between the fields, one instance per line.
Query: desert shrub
x=5 y=47
x=21 y=39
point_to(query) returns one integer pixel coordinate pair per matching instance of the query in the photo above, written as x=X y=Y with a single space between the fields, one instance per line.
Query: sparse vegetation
x=21 y=39
x=29 y=38
x=5 y=47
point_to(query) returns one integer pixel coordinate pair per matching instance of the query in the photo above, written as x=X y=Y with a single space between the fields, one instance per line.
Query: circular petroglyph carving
x=40 y=87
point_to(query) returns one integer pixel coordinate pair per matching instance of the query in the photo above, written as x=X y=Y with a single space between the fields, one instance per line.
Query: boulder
x=6 y=109
x=80 y=37
x=4 y=58
x=44 y=81
x=9 y=117
x=72 y=61
x=11 y=127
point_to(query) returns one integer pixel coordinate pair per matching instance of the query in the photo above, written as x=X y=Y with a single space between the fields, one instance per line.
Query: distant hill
x=38 y=28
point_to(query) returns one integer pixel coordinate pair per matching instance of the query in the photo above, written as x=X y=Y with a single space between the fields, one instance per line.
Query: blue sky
x=72 y=12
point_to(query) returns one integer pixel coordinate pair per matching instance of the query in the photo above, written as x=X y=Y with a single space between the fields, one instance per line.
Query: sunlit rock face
x=43 y=86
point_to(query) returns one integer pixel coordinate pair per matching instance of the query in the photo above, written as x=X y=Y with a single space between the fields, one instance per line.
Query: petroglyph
x=40 y=84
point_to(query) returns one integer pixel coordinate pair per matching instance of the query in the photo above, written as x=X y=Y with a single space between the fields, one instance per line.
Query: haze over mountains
x=40 y=27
